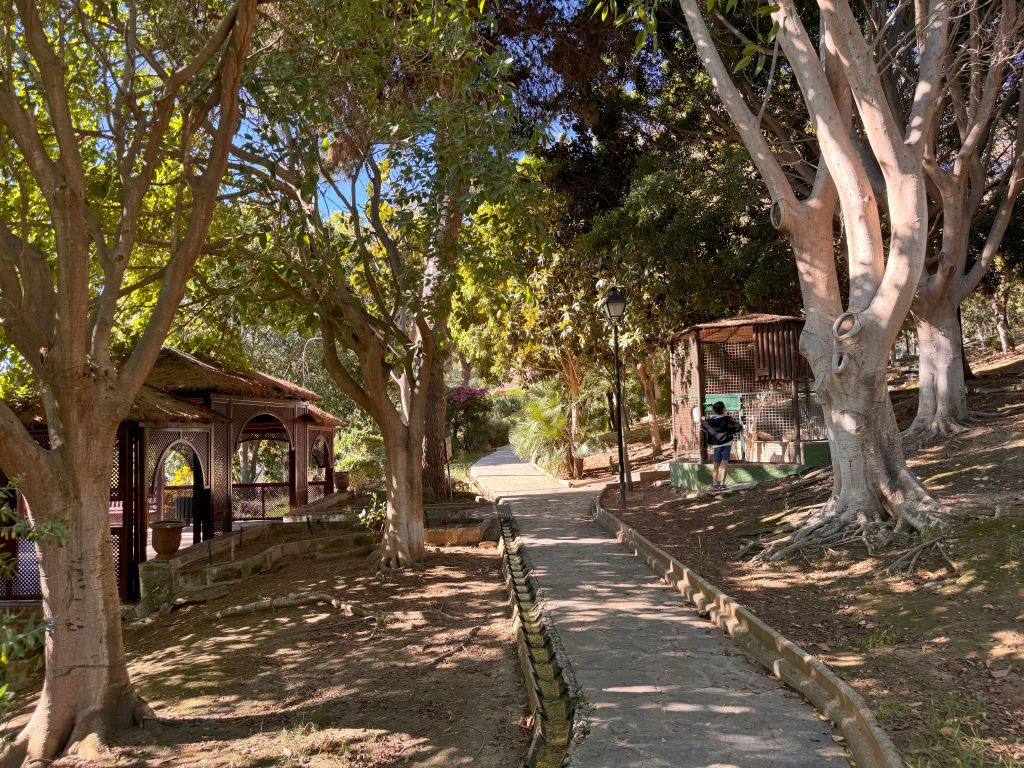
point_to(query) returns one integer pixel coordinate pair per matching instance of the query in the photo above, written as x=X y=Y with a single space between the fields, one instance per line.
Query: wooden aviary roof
x=184 y=374
x=740 y=328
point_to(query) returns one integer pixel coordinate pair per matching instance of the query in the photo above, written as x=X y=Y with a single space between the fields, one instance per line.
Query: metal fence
x=259 y=501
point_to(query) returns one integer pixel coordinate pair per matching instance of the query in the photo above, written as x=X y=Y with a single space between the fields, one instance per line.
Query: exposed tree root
x=924 y=431
x=292 y=601
x=906 y=561
x=46 y=738
x=839 y=522
x=825 y=527
x=392 y=555
x=458 y=649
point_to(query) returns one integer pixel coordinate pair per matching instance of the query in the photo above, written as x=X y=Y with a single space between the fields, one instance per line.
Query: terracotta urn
x=341 y=480
x=166 y=537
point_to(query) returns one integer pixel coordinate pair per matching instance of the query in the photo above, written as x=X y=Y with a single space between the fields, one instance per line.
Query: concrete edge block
x=801 y=671
x=546 y=692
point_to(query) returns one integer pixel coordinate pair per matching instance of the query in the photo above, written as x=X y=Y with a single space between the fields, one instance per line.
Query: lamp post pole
x=615 y=310
x=618 y=418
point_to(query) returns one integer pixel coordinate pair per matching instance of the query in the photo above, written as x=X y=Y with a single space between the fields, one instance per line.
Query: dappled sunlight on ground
x=429 y=680
x=937 y=651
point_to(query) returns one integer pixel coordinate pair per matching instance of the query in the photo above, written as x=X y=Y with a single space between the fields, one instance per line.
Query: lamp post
x=614 y=309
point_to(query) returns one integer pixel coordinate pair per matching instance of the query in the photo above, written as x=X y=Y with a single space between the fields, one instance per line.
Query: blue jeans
x=722 y=453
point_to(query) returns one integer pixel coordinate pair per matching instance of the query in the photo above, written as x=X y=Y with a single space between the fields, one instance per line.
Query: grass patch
x=1015 y=546
x=951 y=738
x=884 y=636
x=459 y=468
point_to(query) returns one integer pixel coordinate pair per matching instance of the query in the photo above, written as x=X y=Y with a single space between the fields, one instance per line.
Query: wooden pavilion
x=203 y=411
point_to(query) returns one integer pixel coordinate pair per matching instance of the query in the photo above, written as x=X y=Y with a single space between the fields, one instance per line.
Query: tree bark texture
x=435 y=456
x=651 y=398
x=87 y=694
x=573 y=378
x=848 y=348
x=403 y=542
x=942 y=391
x=998 y=304
x=59 y=304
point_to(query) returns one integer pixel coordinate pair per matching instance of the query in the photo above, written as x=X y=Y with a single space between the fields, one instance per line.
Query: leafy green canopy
x=373 y=132
x=123 y=106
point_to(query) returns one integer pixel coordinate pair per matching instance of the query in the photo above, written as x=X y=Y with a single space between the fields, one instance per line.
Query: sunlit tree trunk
x=403 y=542
x=86 y=692
x=847 y=348
x=999 y=313
x=651 y=398
x=60 y=298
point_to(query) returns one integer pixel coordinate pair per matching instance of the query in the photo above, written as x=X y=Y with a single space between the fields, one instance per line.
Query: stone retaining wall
x=163 y=581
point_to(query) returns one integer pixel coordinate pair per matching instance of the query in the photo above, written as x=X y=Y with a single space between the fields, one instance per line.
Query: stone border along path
x=655 y=684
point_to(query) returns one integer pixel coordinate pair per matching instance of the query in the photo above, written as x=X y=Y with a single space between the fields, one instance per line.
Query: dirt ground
x=939 y=653
x=597 y=468
x=430 y=680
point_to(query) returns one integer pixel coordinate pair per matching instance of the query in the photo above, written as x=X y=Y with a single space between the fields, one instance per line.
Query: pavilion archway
x=263 y=469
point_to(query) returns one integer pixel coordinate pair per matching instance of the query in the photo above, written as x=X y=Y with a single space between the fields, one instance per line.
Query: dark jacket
x=719 y=430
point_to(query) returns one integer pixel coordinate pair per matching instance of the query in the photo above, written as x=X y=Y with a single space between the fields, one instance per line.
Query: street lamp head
x=615 y=304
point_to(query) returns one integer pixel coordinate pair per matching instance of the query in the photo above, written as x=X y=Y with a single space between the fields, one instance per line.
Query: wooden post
x=700 y=397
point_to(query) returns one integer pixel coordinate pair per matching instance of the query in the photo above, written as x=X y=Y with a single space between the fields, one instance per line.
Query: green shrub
x=541 y=431
x=375 y=515
x=507 y=405
x=360 y=452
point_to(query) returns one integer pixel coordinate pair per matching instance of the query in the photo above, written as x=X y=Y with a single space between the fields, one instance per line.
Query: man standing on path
x=719 y=431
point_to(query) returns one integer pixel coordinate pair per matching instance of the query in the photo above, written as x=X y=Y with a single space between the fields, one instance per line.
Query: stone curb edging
x=162 y=581
x=808 y=675
x=547 y=690
x=559 y=480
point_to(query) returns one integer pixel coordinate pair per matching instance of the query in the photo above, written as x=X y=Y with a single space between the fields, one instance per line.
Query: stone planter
x=341 y=481
x=166 y=537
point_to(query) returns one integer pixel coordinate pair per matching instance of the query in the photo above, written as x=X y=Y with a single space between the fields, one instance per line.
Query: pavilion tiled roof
x=178 y=375
x=183 y=374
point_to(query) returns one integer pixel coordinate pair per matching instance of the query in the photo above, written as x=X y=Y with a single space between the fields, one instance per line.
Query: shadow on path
x=660 y=685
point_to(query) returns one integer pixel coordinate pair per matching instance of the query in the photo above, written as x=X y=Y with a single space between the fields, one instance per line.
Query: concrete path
x=663 y=686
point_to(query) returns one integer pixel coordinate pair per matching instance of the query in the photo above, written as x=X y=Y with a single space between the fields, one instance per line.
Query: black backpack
x=719 y=429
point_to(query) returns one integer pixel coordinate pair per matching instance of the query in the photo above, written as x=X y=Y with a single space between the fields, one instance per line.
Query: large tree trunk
x=942 y=393
x=848 y=355
x=872 y=485
x=87 y=694
x=651 y=398
x=873 y=482
x=249 y=460
x=435 y=455
x=403 y=542
x=998 y=304
x=466 y=369
x=573 y=378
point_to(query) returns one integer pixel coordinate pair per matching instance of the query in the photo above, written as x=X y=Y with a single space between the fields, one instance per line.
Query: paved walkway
x=664 y=687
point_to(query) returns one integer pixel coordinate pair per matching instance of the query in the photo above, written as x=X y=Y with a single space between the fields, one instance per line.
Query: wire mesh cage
x=753 y=366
